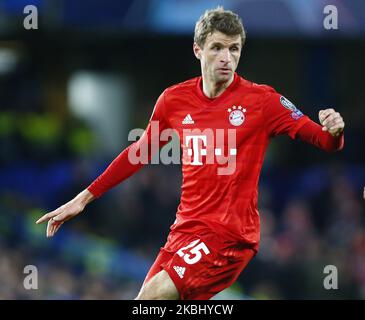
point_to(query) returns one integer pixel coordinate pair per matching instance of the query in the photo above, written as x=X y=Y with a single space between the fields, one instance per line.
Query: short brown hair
x=221 y=20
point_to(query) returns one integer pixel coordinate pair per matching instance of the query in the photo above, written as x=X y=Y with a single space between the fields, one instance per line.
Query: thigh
x=159 y=287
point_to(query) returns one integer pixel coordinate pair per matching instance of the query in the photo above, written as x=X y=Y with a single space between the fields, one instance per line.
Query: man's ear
x=197 y=51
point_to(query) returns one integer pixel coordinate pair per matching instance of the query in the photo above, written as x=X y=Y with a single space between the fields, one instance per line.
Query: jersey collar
x=225 y=93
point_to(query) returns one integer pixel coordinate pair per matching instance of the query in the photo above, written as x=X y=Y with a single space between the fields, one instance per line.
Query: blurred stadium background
x=71 y=91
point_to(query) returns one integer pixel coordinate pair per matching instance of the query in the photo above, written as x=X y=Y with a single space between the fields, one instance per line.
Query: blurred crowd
x=311 y=218
x=309 y=234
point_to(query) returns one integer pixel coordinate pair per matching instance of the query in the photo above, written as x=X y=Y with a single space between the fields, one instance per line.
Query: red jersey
x=224 y=141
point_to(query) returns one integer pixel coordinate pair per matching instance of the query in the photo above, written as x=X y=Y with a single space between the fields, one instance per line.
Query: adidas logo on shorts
x=180 y=271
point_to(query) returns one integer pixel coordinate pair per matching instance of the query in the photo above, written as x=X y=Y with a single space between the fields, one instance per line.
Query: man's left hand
x=331 y=121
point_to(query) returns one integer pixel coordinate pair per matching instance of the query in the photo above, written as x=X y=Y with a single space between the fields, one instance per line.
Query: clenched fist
x=331 y=121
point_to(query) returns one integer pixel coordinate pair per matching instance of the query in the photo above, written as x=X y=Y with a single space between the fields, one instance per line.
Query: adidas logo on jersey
x=188 y=120
x=180 y=271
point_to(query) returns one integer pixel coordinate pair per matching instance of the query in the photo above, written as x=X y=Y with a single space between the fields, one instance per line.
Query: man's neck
x=213 y=89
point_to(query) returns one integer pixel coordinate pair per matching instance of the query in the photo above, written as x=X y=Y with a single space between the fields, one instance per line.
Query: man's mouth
x=224 y=70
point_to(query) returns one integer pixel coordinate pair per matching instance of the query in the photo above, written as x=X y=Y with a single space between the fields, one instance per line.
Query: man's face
x=220 y=56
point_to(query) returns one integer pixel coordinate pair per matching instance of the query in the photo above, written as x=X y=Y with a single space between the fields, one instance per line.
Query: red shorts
x=201 y=266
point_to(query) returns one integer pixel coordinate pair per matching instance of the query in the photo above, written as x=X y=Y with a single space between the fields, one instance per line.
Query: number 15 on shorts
x=195 y=253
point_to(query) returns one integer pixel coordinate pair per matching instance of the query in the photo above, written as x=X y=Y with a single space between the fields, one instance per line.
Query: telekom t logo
x=198 y=145
x=195 y=143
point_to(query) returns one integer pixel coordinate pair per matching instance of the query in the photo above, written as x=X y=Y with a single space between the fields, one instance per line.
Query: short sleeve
x=281 y=116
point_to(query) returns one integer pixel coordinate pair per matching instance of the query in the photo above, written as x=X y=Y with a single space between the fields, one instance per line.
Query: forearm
x=312 y=133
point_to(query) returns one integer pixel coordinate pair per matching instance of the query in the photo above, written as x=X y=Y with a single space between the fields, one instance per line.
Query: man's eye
x=234 y=49
x=216 y=48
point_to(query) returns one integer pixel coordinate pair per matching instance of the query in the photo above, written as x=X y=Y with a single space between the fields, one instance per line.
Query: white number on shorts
x=196 y=251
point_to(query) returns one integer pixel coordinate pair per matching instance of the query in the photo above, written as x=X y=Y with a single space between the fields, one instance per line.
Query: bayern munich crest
x=236 y=115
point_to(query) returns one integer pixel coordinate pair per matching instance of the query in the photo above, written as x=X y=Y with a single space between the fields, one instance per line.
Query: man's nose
x=226 y=56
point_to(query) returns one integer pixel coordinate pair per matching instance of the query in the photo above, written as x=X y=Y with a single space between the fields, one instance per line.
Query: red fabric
x=211 y=273
x=211 y=202
x=312 y=133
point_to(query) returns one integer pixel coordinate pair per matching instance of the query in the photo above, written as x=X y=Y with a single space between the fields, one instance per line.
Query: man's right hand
x=69 y=210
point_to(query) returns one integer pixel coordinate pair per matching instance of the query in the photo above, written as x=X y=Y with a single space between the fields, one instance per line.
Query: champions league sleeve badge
x=296 y=113
x=236 y=115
